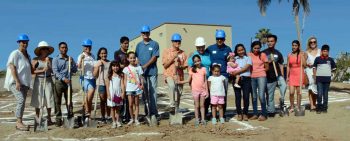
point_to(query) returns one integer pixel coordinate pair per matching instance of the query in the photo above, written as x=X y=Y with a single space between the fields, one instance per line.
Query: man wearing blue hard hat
x=218 y=54
x=18 y=78
x=86 y=63
x=147 y=52
x=174 y=61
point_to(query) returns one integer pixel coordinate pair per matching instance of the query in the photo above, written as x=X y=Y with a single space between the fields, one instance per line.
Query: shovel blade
x=176 y=119
x=300 y=112
x=93 y=124
x=68 y=122
x=41 y=126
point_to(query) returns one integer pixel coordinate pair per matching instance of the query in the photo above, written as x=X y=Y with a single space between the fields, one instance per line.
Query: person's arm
x=303 y=59
x=97 y=67
x=167 y=62
x=242 y=70
x=34 y=65
x=280 y=63
x=107 y=88
x=315 y=69
x=125 y=80
x=15 y=76
x=333 y=65
x=288 y=69
x=73 y=66
x=185 y=81
x=123 y=85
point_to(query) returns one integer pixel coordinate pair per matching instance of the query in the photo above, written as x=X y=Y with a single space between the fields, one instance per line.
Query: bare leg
x=131 y=108
x=298 y=97
x=90 y=97
x=136 y=107
x=291 y=97
x=202 y=100
x=113 y=113
x=221 y=111
x=196 y=108
x=213 y=110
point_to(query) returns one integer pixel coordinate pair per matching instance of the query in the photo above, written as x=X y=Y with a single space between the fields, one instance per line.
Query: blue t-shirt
x=242 y=62
x=219 y=56
x=205 y=61
x=144 y=52
x=324 y=67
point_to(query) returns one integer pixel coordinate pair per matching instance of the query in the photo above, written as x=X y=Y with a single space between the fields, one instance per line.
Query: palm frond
x=306 y=6
x=263 y=6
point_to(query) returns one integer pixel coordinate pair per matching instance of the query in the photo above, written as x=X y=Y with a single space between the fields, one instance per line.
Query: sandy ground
x=335 y=125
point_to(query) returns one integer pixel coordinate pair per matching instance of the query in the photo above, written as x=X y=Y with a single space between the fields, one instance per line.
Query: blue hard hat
x=220 y=34
x=87 y=42
x=22 y=37
x=176 y=37
x=145 y=28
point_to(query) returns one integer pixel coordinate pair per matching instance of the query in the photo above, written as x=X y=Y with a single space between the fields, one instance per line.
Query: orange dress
x=294 y=70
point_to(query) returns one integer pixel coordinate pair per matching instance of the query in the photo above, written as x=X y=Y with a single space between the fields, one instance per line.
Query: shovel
x=283 y=109
x=81 y=118
x=69 y=121
x=175 y=115
x=41 y=124
x=93 y=123
x=299 y=112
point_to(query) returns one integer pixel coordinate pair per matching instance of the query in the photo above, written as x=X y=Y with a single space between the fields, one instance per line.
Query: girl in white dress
x=115 y=91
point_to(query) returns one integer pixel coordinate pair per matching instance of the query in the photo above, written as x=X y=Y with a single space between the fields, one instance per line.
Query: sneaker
x=213 y=121
x=222 y=120
x=114 y=125
x=59 y=122
x=261 y=118
x=196 y=123
x=137 y=123
x=245 y=117
x=237 y=86
x=324 y=111
x=255 y=117
x=130 y=122
x=119 y=124
x=204 y=122
x=103 y=120
x=239 y=117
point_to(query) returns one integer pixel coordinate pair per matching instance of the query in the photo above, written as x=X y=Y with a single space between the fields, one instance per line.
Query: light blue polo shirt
x=242 y=62
x=205 y=61
x=144 y=52
x=218 y=56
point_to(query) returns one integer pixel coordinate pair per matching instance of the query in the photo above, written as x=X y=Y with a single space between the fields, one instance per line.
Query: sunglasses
x=312 y=42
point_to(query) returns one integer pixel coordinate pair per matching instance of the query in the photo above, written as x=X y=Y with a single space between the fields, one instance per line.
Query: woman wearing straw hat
x=42 y=70
x=18 y=77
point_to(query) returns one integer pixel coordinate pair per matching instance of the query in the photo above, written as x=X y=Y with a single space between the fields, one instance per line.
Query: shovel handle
x=69 y=75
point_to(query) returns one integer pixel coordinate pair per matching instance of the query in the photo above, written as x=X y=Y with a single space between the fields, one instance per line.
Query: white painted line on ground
x=93 y=139
x=8 y=138
x=8 y=105
x=246 y=125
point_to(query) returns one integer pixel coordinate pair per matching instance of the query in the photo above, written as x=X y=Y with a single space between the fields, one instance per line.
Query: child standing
x=217 y=93
x=232 y=66
x=134 y=86
x=198 y=83
x=323 y=67
x=115 y=91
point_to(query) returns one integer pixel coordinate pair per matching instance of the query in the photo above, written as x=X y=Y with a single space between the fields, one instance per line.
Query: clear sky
x=105 y=21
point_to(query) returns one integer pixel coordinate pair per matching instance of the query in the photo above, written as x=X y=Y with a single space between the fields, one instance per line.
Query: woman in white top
x=42 y=88
x=312 y=52
x=86 y=60
x=18 y=77
x=101 y=73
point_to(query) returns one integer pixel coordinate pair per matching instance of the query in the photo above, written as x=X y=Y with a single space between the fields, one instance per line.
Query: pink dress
x=294 y=70
x=230 y=69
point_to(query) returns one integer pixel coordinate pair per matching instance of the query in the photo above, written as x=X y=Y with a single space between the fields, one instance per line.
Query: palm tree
x=296 y=7
x=262 y=35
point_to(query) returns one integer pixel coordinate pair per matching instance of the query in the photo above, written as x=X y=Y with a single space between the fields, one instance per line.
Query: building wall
x=189 y=33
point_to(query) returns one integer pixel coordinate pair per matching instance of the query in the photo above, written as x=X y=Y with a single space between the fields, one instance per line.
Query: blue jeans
x=258 y=88
x=246 y=88
x=150 y=90
x=271 y=92
x=322 y=95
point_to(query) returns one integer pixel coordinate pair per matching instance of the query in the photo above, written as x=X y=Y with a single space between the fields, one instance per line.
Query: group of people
x=132 y=74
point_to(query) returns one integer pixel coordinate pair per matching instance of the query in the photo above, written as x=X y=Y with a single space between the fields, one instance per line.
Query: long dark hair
x=99 y=51
x=252 y=47
x=298 y=51
x=194 y=66
x=240 y=45
x=110 y=71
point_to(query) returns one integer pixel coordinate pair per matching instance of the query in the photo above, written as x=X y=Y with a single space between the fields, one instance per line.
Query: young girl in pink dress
x=198 y=82
x=232 y=66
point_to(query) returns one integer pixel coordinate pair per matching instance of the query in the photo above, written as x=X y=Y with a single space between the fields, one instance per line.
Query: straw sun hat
x=43 y=45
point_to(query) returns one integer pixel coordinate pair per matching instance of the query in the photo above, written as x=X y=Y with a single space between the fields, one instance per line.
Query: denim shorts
x=134 y=93
x=102 y=89
x=89 y=84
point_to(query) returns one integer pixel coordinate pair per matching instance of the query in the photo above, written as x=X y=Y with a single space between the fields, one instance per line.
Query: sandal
x=25 y=128
x=291 y=110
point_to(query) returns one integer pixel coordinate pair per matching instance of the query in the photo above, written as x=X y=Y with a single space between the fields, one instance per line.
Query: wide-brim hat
x=43 y=45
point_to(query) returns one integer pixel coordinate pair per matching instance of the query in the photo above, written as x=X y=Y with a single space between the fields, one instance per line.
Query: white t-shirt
x=132 y=79
x=23 y=68
x=89 y=61
x=217 y=85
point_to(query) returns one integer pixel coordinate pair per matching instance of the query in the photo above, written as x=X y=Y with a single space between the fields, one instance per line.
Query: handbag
x=117 y=99
x=305 y=79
